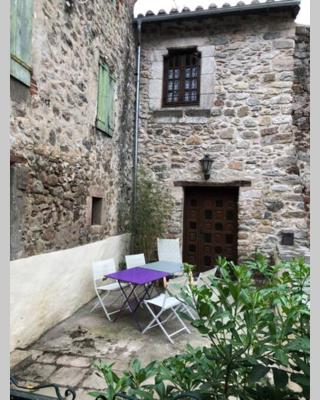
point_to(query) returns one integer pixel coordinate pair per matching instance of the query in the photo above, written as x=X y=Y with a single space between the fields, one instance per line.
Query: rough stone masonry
x=253 y=120
x=58 y=159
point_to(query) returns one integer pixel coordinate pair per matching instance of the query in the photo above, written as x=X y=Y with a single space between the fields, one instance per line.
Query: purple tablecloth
x=137 y=275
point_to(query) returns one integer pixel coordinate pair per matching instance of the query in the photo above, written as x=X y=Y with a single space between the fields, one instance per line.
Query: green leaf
x=280 y=377
x=258 y=372
x=300 y=379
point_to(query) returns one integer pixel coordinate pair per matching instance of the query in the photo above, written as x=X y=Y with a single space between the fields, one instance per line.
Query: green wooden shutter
x=111 y=104
x=105 y=108
x=103 y=89
x=21 y=15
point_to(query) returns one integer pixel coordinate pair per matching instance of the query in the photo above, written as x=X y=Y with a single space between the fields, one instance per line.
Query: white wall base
x=47 y=288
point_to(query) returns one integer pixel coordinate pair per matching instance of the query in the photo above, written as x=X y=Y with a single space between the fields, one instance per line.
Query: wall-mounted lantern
x=206 y=164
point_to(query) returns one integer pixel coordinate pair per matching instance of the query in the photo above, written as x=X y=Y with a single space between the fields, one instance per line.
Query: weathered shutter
x=103 y=89
x=21 y=15
x=111 y=104
x=105 y=111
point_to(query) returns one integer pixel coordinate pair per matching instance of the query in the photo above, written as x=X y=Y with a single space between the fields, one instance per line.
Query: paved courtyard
x=66 y=353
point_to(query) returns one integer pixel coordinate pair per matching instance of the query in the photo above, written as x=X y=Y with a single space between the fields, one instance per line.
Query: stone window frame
x=179 y=59
x=207 y=72
x=97 y=192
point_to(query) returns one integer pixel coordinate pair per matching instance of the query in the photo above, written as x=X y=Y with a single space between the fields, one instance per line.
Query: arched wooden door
x=210 y=225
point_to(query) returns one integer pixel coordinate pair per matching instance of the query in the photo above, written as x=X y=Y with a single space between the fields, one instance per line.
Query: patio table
x=137 y=276
x=165 y=266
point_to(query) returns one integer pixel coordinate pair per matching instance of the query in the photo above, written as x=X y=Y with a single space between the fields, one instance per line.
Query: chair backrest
x=204 y=277
x=135 y=260
x=174 y=285
x=169 y=250
x=103 y=267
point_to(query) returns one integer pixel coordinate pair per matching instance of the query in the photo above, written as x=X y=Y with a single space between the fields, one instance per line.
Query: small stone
x=250 y=122
x=229 y=112
x=52 y=137
x=216 y=112
x=226 y=133
x=235 y=165
x=52 y=180
x=37 y=187
x=243 y=111
x=275 y=206
x=283 y=44
x=269 y=77
x=253 y=101
x=269 y=131
x=280 y=188
x=194 y=140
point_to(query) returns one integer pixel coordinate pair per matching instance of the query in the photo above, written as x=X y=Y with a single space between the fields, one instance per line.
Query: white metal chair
x=204 y=277
x=99 y=270
x=174 y=287
x=169 y=250
x=164 y=302
x=135 y=260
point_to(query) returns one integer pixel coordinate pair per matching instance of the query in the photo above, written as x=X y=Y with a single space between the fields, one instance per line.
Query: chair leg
x=103 y=306
x=182 y=323
x=156 y=322
x=187 y=310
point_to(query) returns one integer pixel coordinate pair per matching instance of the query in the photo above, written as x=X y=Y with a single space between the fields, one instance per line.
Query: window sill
x=182 y=115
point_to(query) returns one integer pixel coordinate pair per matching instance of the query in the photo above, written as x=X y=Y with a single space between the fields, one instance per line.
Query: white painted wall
x=47 y=288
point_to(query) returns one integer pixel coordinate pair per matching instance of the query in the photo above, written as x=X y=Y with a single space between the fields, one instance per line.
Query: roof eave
x=294 y=5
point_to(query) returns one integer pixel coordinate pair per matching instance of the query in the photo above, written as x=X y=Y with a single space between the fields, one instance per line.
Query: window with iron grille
x=181 y=83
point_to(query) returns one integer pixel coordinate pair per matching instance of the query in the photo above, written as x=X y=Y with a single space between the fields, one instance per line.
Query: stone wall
x=58 y=159
x=301 y=106
x=247 y=129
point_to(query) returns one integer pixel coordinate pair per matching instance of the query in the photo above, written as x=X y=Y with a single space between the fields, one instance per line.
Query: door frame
x=211 y=187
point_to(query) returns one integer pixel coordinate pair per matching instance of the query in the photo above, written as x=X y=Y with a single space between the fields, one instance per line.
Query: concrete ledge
x=212 y=184
x=182 y=115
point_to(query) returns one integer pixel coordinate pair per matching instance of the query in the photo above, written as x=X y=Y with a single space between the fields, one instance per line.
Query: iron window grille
x=181 y=83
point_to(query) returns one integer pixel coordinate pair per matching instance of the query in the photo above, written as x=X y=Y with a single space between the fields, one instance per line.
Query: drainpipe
x=137 y=120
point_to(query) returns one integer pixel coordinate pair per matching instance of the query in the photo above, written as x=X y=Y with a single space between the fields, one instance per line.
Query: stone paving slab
x=66 y=353
x=36 y=372
x=74 y=361
x=47 y=358
x=68 y=376
x=94 y=382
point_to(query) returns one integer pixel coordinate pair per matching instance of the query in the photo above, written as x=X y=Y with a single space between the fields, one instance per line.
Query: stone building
x=231 y=83
x=68 y=173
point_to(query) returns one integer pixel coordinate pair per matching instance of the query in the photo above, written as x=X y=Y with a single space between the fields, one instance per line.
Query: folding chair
x=135 y=260
x=164 y=302
x=99 y=270
x=204 y=277
x=173 y=287
x=169 y=250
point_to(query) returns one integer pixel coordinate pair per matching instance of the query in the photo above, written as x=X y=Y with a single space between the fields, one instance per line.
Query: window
x=96 y=212
x=105 y=111
x=181 y=83
x=20 y=40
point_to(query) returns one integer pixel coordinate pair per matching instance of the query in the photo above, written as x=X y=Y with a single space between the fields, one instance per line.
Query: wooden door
x=210 y=225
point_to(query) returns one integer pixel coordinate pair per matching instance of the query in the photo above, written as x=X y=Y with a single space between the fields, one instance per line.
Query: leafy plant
x=259 y=338
x=152 y=212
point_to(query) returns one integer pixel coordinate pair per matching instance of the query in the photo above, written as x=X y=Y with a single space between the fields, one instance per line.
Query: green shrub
x=259 y=338
x=152 y=212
